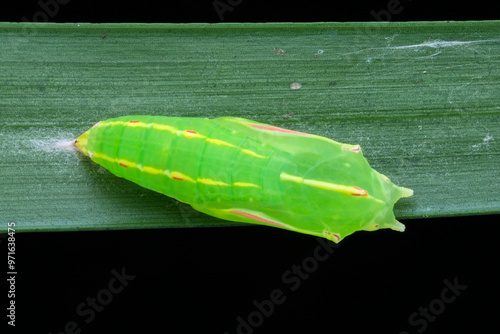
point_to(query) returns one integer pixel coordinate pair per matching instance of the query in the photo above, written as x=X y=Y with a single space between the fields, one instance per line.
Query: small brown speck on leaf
x=279 y=52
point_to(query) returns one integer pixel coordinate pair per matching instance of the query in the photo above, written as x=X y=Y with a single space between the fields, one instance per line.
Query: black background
x=247 y=11
x=201 y=280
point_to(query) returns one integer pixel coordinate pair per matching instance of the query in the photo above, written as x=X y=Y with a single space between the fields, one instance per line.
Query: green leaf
x=421 y=98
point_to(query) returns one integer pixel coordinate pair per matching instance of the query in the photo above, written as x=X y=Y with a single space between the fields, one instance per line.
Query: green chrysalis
x=245 y=171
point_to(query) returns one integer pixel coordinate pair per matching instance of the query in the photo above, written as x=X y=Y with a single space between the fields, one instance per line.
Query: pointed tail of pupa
x=406 y=192
x=396 y=225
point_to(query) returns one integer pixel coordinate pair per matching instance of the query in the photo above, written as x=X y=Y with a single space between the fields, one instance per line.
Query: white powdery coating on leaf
x=32 y=142
x=66 y=145
x=51 y=145
x=40 y=144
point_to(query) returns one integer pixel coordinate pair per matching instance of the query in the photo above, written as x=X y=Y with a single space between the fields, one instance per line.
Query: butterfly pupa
x=245 y=171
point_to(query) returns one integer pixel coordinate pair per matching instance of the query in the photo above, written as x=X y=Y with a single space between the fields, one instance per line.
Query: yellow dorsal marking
x=164 y=127
x=220 y=142
x=212 y=182
x=102 y=157
x=151 y=170
x=174 y=175
x=348 y=190
x=126 y=163
x=288 y=177
x=245 y=184
x=186 y=133
x=252 y=153
x=318 y=184
x=104 y=124
x=335 y=187
x=134 y=124
x=190 y=134
x=179 y=176
x=225 y=143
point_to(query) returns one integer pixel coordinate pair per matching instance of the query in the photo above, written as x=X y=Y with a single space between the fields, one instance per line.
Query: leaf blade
x=421 y=98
